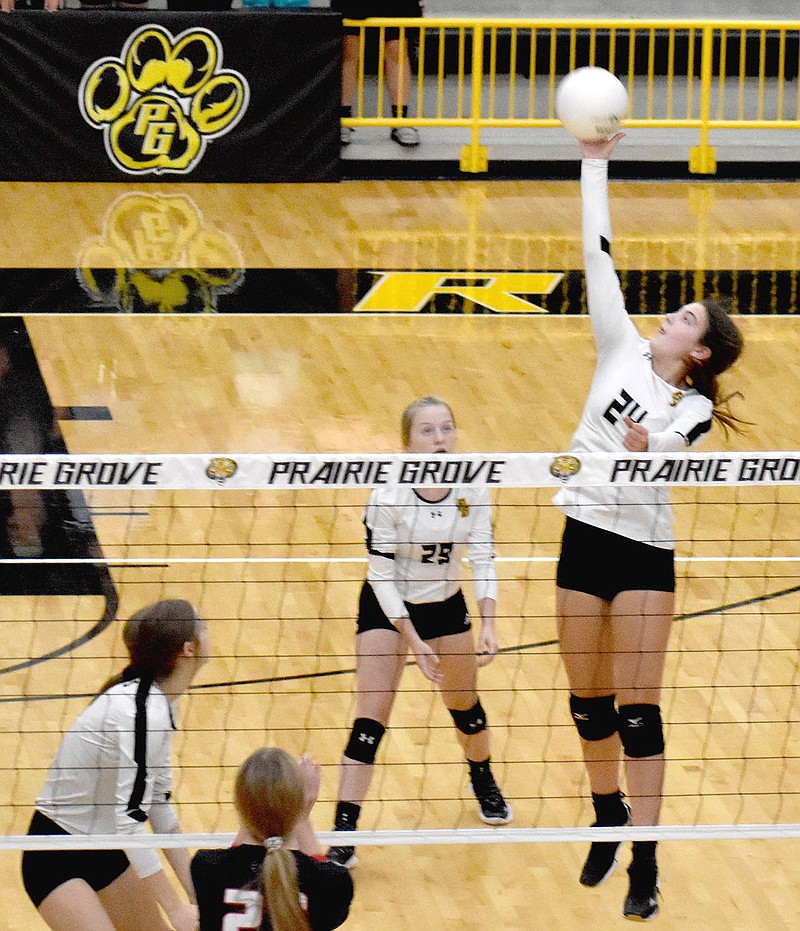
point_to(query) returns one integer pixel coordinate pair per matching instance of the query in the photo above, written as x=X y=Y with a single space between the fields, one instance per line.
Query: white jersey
x=416 y=547
x=624 y=384
x=104 y=781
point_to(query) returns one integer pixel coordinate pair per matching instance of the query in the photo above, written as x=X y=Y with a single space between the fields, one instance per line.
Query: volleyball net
x=271 y=550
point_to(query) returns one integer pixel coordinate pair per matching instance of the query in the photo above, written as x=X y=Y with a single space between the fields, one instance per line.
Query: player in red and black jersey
x=275 y=877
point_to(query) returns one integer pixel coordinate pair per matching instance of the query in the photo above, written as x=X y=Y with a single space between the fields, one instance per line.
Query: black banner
x=238 y=290
x=158 y=96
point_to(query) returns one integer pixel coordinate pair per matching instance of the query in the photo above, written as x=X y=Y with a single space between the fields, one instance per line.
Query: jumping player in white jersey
x=616 y=576
x=112 y=773
x=412 y=599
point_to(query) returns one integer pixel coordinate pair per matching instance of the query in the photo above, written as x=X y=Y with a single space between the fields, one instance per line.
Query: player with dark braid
x=112 y=774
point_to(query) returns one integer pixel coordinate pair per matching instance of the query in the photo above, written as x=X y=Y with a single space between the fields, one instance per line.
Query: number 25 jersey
x=416 y=547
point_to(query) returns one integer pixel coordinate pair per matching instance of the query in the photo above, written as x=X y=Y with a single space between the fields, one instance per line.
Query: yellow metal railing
x=482 y=74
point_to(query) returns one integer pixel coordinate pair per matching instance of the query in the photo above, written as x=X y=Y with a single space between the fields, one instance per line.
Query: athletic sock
x=480 y=771
x=644 y=850
x=609 y=809
x=346 y=816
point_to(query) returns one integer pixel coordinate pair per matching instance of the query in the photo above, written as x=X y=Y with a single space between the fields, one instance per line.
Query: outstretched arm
x=610 y=320
x=304 y=836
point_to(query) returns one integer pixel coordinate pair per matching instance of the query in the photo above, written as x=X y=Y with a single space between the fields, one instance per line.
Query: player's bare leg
x=459 y=666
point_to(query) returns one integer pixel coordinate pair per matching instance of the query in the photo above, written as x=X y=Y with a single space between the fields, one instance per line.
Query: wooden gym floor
x=283 y=633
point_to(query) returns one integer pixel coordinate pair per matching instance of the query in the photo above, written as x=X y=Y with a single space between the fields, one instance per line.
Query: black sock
x=400 y=111
x=480 y=772
x=346 y=816
x=609 y=809
x=644 y=850
x=345 y=112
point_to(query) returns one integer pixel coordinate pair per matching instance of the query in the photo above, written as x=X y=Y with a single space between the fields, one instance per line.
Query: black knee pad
x=595 y=718
x=471 y=721
x=641 y=730
x=365 y=739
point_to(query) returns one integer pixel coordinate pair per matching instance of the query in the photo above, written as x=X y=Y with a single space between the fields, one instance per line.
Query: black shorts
x=46 y=870
x=385 y=9
x=433 y=619
x=599 y=562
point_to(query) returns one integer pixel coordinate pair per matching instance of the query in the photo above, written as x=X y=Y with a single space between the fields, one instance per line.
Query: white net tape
x=510 y=470
x=271 y=548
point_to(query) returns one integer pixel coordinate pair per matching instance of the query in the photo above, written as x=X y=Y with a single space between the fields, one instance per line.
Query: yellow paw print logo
x=163 y=99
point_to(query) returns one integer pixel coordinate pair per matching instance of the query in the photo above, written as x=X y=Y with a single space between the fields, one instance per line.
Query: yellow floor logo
x=160 y=102
x=411 y=292
x=156 y=253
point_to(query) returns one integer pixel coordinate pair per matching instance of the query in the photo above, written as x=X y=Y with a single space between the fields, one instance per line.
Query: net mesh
x=277 y=571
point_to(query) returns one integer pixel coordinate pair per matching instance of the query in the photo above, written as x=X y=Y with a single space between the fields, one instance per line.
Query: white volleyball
x=591 y=103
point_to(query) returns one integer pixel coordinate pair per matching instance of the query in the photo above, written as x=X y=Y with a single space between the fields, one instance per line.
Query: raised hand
x=600 y=149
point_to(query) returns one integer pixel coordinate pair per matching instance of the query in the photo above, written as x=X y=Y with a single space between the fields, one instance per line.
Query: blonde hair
x=407 y=419
x=269 y=797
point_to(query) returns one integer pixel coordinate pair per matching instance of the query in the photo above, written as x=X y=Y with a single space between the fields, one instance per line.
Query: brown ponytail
x=726 y=343
x=269 y=798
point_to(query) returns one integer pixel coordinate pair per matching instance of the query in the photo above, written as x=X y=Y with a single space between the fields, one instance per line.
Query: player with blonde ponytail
x=274 y=775
x=274 y=875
